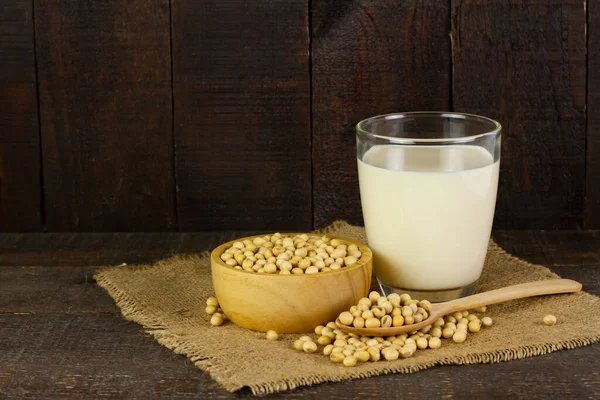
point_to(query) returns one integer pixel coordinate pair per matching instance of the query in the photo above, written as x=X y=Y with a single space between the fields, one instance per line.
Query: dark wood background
x=158 y=115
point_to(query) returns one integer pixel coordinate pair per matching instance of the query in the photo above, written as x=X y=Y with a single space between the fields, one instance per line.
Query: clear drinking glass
x=428 y=183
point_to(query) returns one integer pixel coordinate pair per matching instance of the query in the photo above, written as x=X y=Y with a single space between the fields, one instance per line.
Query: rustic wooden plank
x=96 y=249
x=242 y=114
x=89 y=356
x=592 y=189
x=52 y=290
x=20 y=193
x=369 y=58
x=552 y=248
x=96 y=355
x=106 y=115
x=523 y=64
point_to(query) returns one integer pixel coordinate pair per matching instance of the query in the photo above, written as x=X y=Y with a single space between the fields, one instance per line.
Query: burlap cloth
x=168 y=300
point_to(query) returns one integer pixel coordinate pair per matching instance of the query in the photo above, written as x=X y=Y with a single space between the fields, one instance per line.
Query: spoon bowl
x=520 y=291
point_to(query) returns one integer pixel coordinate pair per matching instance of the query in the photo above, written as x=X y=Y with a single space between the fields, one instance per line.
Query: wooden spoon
x=530 y=289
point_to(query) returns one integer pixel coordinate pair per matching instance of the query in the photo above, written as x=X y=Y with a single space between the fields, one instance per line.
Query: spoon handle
x=530 y=289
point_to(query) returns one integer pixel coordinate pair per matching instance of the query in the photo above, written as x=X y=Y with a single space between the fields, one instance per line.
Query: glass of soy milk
x=428 y=183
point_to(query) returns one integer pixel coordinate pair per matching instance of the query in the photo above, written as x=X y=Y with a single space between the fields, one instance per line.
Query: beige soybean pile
x=286 y=255
x=384 y=311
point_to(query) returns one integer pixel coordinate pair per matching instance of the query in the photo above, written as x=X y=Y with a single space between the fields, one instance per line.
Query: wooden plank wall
x=105 y=108
x=20 y=194
x=198 y=115
x=242 y=114
x=592 y=214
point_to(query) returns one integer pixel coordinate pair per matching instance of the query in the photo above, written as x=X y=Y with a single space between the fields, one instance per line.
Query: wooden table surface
x=62 y=336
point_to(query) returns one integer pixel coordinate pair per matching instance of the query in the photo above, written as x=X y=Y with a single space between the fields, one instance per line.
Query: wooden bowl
x=289 y=303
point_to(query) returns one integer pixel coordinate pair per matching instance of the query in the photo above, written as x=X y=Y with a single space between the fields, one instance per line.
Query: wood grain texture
x=552 y=248
x=106 y=120
x=523 y=64
x=242 y=114
x=369 y=58
x=90 y=356
x=592 y=189
x=98 y=249
x=20 y=192
x=56 y=290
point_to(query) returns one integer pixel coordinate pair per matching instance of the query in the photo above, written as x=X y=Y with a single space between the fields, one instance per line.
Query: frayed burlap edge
x=196 y=352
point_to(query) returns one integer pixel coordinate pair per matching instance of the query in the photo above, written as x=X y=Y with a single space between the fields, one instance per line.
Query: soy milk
x=428 y=213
